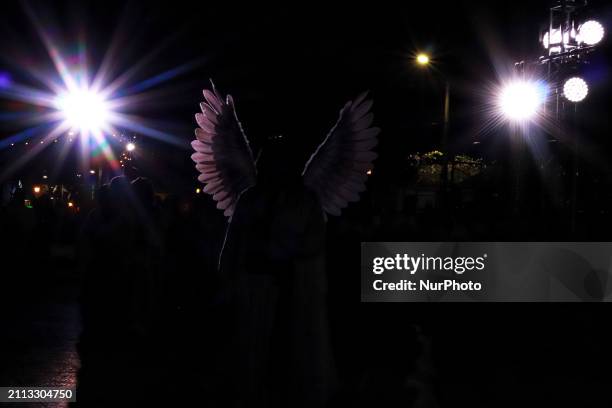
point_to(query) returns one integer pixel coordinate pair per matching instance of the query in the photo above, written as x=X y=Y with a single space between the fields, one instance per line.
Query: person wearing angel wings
x=272 y=263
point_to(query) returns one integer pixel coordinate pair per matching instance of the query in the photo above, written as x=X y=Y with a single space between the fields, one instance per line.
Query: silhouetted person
x=120 y=252
x=146 y=253
x=273 y=260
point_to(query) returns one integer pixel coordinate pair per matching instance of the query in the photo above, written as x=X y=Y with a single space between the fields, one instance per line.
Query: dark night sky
x=290 y=69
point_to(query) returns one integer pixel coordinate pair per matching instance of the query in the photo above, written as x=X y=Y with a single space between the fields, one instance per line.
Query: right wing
x=222 y=152
x=337 y=170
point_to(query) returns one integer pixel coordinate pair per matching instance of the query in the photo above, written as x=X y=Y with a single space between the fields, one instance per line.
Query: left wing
x=336 y=171
x=222 y=152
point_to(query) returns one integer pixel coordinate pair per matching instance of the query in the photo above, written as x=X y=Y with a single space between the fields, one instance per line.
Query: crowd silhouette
x=165 y=315
x=148 y=291
x=268 y=314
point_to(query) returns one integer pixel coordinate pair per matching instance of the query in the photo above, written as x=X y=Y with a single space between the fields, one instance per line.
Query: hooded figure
x=272 y=263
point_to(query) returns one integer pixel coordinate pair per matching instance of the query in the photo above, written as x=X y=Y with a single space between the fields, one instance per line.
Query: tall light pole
x=424 y=60
x=568 y=42
x=575 y=90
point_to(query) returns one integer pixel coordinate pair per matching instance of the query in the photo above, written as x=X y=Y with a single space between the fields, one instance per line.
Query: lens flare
x=83 y=109
x=521 y=100
x=83 y=104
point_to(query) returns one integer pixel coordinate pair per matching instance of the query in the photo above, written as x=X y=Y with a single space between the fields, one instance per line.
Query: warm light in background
x=70 y=204
x=130 y=147
x=198 y=190
x=422 y=59
x=36 y=189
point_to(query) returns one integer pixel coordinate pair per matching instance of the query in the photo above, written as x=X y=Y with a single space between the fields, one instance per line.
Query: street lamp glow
x=590 y=32
x=83 y=109
x=422 y=59
x=575 y=89
x=130 y=147
x=521 y=100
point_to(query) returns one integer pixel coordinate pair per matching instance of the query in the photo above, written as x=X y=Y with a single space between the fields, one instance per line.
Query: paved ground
x=548 y=359
x=40 y=328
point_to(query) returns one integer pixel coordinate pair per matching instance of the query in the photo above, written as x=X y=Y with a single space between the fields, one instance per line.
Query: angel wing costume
x=273 y=258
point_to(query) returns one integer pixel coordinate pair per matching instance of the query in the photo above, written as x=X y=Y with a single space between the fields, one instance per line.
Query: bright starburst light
x=422 y=59
x=84 y=110
x=575 y=89
x=520 y=100
x=81 y=103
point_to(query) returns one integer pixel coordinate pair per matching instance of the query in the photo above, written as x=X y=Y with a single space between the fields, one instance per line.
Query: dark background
x=290 y=69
